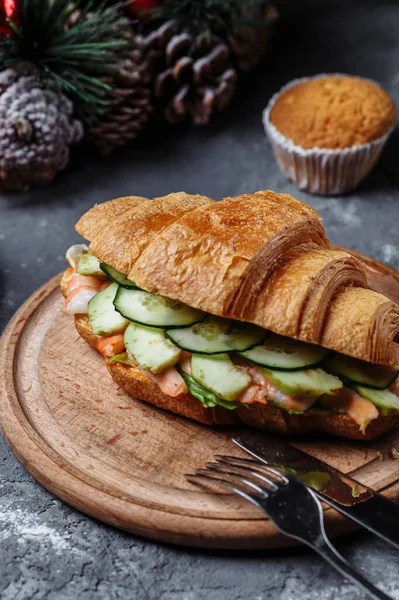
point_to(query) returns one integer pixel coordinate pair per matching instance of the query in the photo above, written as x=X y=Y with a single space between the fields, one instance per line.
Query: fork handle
x=331 y=555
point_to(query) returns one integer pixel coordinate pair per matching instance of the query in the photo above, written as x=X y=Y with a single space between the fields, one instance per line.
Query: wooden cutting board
x=123 y=461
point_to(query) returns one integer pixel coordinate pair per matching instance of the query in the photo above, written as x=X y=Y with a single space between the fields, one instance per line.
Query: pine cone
x=131 y=106
x=249 y=43
x=36 y=130
x=193 y=78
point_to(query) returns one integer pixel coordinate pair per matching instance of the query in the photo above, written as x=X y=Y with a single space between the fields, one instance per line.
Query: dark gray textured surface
x=48 y=550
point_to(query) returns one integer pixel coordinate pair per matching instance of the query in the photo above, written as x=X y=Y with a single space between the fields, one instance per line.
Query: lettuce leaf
x=121 y=358
x=321 y=410
x=208 y=399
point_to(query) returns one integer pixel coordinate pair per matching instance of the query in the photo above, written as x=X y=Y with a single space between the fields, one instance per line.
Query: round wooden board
x=123 y=461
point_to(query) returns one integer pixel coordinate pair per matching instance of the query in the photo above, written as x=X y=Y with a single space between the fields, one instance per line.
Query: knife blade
x=356 y=501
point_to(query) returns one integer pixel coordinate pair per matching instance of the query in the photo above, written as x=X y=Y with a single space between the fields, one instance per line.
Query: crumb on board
x=394 y=453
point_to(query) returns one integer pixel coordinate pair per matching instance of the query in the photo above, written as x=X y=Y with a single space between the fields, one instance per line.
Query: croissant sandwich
x=235 y=311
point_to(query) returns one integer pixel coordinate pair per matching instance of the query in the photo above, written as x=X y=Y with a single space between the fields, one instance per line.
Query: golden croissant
x=233 y=311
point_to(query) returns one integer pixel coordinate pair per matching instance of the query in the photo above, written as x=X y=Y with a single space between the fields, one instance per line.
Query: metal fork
x=293 y=507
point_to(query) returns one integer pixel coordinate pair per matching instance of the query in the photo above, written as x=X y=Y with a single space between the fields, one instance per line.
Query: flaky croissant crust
x=262 y=258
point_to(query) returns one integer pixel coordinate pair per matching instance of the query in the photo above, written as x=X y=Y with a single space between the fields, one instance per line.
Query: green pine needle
x=209 y=17
x=74 y=43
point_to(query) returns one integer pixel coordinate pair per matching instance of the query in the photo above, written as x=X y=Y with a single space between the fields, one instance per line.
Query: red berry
x=142 y=8
x=8 y=10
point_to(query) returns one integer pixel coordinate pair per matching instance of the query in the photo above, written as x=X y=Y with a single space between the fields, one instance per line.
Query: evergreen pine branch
x=73 y=43
x=209 y=17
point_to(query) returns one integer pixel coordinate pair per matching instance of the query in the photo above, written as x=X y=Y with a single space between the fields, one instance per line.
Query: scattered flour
x=8 y=299
x=344 y=591
x=389 y=253
x=27 y=527
x=345 y=213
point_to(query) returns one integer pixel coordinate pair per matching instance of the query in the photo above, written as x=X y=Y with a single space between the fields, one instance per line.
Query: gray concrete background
x=47 y=549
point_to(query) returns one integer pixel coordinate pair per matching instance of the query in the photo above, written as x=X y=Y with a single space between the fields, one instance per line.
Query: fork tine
x=223 y=467
x=231 y=487
x=231 y=460
x=305 y=525
x=229 y=457
x=228 y=477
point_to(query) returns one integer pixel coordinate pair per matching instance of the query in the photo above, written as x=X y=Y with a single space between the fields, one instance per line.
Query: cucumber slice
x=219 y=375
x=386 y=402
x=150 y=347
x=155 y=311
x=206 y=397
x=89 y=265
x=314 y=382
x=216 y=336
x=116 y=276
x=361 y=372
x=104 y=319
x=285 y=354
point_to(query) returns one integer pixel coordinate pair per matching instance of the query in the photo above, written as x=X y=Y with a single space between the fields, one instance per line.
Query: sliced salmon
x=76 y=281
x=77 y=300
x=185 y=362
x=296 y=403
x=252 y=395
x=361 y=410
x=111 y=345
x=171 y=382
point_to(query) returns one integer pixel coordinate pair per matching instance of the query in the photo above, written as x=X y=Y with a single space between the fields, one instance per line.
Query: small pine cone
x=130 y=107
x=248 y=43
x=193 y=78
x=36 y=130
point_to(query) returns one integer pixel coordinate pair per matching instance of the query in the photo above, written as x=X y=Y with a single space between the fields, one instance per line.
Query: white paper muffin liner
x=321 y=170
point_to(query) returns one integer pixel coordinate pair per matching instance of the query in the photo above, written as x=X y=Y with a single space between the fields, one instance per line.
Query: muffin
x=328 y=131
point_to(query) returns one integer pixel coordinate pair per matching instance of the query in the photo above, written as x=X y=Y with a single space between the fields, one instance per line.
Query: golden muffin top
x=333 y=111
